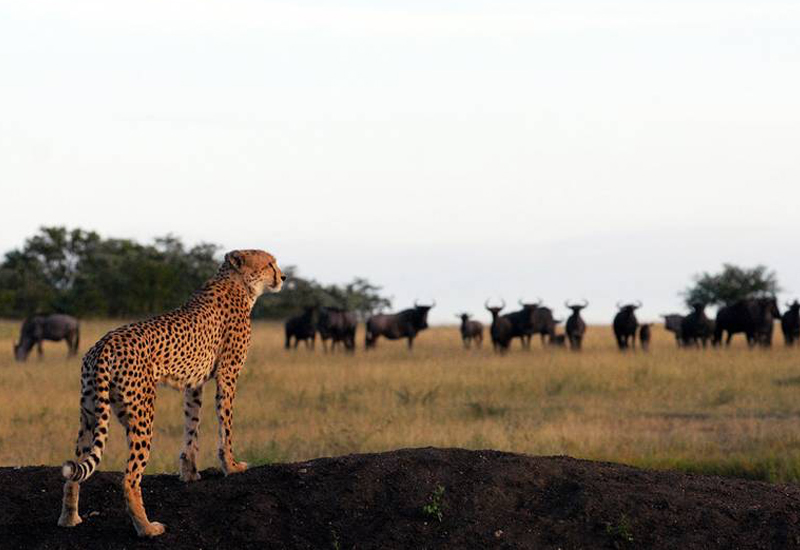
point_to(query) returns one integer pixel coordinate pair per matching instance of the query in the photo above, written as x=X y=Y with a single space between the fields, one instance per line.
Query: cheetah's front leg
x=192 y=401
x=226 y=388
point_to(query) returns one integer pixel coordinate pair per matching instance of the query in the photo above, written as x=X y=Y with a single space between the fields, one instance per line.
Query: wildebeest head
x=29 y=334
x=464 y=317
x=494 y=310
x=420 y=317
x=769 y=306
x=20 y=354
x=530 y=306
x=629 y=308
x=793 y=307
x=698 y=307
x=528 y=311
x=576 y=308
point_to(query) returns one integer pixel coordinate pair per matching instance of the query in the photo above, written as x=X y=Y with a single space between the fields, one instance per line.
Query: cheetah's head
x=258 y=269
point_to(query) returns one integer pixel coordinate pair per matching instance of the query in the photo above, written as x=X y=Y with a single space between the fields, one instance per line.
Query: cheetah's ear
x=235 y=258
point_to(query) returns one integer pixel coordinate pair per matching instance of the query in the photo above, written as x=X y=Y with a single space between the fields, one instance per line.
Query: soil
x=389 y=500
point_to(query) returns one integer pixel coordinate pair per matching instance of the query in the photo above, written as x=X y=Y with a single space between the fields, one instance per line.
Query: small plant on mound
x=621 y=533
x=434 y=507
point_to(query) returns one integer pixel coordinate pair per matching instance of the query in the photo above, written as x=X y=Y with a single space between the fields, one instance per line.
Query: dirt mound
x=413 y=498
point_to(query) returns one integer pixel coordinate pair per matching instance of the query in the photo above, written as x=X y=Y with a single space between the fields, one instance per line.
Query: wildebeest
x=753 y=316
x=672 y=322
x=470 y=330
x=522 y=323
x=339 y=325
x=542 y=323
x=576 y=327
x=625 y=325
x=558 y=340
x=501 y=329
x=405 y=324
x=53 y=327
x=644 y=335
x=696 y=327
x=302 y=327
x=790 y=323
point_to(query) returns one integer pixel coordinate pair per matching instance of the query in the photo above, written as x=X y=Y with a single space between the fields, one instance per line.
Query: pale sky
x=448 y=150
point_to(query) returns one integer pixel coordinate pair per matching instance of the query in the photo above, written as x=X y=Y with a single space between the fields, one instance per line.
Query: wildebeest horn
x=540 y=301
x=566 y=304
x=638 y=303
x=618 y=306
x=486 y=304
x=585 y=302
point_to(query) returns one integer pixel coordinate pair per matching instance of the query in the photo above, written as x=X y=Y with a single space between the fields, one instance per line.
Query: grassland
x=734 y=411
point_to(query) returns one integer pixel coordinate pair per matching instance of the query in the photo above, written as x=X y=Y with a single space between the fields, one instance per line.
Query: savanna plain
x=729 y=411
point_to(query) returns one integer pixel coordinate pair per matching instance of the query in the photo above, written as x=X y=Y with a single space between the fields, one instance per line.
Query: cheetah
x=206 y=338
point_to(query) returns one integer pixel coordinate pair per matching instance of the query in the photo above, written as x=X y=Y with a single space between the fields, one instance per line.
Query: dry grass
x=726 y=411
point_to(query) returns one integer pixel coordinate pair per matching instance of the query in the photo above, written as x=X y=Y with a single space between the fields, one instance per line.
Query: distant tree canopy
x=78 y=272
x=731 y=284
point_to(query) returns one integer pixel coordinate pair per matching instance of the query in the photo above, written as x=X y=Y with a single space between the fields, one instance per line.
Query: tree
x=81 y=273
x=731 y=284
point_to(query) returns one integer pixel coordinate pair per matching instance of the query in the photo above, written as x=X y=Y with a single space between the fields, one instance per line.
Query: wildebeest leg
x=39 y=349
x=410 y=342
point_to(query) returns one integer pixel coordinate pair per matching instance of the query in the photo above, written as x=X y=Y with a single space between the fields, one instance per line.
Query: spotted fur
x=206 y=338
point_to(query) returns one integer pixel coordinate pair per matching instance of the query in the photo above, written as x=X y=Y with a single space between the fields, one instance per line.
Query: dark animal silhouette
x=558 y=340
x=790 y=323
x=542 y=323
x=625 y=325
x=338 y=325
x=576 y=327
x=696 y=327
x=302 y=327
x=53 y=327
x=522 y=323
x=644 y=335
x=672 y=322
x=501 y=329
x=753 y=316
x=405 y=324
x=470 y=330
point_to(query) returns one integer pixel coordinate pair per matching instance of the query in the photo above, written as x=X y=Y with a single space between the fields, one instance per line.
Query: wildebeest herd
x=753 y=317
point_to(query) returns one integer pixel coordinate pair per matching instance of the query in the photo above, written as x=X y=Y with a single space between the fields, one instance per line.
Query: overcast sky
x=448 y=150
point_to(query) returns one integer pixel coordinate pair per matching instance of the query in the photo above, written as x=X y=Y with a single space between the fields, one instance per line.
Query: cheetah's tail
x=85 y=467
